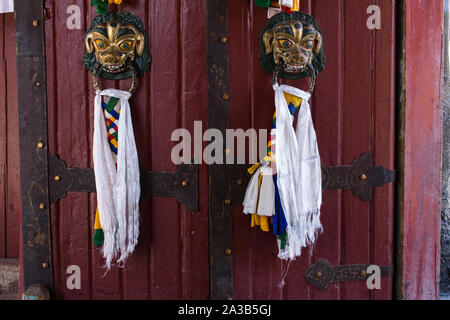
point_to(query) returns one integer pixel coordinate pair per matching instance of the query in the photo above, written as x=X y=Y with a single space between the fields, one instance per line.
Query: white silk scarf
x=299 y=174
x=118 y=185
x=6 y=6
x=258 y=199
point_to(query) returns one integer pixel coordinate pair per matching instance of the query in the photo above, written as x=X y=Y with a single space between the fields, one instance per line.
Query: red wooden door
x=353 y=112
x=171 y=259
x=9 y=143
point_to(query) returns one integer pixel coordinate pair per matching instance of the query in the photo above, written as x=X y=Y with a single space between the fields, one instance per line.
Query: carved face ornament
x=117 y=47
x=292 y=46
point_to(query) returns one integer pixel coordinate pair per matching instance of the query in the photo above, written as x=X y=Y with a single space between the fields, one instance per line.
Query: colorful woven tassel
x=111 y=109
x=99 y=237
x=275 y=3
x=278 y=220
x=276 y=6
x=290 y=5
x=261 y=221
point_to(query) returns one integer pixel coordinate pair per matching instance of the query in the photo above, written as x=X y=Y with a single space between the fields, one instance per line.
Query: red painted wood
x=240 y=117
x=171 y=259
x=194 y=226
x=357 y=131
x=13 y=174
x=353 y=111
x=9 y=158
x=71 y=217
x=329 y=95
x=3 y=140
x=382 y=251
x=423 y=143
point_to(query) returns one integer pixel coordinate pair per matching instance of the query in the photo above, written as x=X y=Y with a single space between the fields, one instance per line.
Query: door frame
x=418 y=150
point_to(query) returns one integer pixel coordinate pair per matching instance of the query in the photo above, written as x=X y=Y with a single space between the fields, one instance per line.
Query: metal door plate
x=322 y=273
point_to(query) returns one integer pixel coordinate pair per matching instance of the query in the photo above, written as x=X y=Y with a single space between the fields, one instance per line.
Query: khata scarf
x=291 y=197
x=299 y=175
x=116 y=174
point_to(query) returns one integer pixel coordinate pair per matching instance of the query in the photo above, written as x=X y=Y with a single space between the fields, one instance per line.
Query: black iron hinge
x=181 y=184
x=361 y=178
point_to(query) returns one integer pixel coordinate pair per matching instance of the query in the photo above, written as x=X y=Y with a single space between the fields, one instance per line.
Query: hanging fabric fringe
x=292 y=197
x=116 y=168
x=299 y=173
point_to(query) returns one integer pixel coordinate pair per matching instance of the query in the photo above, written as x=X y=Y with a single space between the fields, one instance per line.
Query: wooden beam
x=420 y=146
x=220 y=209
x=32 y=104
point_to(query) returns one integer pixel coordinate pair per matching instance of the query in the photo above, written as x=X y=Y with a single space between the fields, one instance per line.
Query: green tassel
x=262 y=3
x=99 y=237
x=283 y=238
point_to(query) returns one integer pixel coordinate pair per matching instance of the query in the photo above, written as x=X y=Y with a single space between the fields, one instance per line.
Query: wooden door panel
x=171 y=259
x=353 y=110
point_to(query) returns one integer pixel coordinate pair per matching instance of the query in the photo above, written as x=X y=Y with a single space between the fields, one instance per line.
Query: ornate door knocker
x=292 y=47
x=117 y=48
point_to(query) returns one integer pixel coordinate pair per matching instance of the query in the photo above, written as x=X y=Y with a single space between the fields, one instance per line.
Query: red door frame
x=420 y=150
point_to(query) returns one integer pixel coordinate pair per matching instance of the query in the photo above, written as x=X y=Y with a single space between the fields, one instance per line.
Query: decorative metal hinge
x=182 y=184
x=322 y=273
x=361 y=178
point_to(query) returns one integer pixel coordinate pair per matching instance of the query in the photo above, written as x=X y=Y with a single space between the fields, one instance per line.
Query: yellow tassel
x=261 y=221
x=97 y=224
x=253 y=168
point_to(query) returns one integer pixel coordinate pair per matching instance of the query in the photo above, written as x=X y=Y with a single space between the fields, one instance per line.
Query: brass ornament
x=117 y=47
x=292 y=47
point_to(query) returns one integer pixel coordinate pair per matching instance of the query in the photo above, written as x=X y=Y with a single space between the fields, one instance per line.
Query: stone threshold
x=9 y=279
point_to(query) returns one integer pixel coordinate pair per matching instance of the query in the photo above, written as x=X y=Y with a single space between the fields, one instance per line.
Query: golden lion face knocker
x=292 y=47
x=116 y=47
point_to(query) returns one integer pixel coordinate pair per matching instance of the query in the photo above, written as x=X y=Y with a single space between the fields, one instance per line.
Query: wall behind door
x=353 y=109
